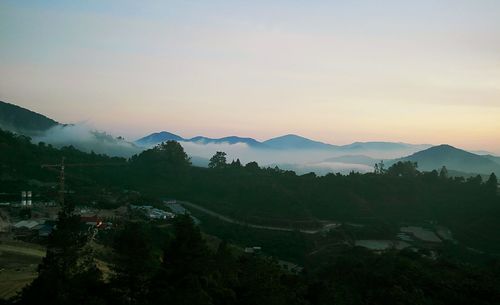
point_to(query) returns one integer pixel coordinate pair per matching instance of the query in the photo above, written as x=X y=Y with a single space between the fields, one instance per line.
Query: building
x=152 y=212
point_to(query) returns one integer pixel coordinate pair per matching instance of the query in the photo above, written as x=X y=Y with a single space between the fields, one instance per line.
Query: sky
x=335 y=71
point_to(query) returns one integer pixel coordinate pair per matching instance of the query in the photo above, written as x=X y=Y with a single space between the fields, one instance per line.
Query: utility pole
x=62 y=177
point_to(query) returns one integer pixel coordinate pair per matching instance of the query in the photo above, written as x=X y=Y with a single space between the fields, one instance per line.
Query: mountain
x=493 y=158
x=292 y=141
x=24 y=121
x=454 y=159
x=163 y=136
x=43 y=129
x=384 y=146
x=229 y=140
x=158 y=137
x=378 y=150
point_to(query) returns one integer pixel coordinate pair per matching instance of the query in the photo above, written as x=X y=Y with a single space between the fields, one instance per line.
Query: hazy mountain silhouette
x=292 y=141
x=24 y=121
x=493 y=158
x=383 y=146
x=164 y=136
x=158 y=137
x=283 y=142
x=229 y=140
x=42 y=128
x=454 y=159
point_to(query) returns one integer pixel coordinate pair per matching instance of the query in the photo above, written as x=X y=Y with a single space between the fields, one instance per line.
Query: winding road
x=263 y=227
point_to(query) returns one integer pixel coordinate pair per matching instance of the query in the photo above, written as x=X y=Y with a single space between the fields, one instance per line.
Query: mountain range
x=286 y=142
x=359 y=154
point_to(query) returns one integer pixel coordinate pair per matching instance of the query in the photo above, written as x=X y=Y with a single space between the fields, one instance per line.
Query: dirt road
x=255 y=226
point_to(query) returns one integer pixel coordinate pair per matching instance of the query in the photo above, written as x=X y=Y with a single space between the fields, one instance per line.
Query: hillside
x=454 y=159
x=292 y=141
x=21 y=120
x=158 y=137
x=493 y=158
x=377 y=150
x=229 y=140
x=384 y=146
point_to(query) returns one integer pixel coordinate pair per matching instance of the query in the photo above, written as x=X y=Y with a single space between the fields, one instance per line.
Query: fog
x=85 y=138
x=301 y=161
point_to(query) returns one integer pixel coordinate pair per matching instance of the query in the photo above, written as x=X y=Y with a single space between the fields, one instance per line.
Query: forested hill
x=455 y=159
x=21 y=161
x=22 y=120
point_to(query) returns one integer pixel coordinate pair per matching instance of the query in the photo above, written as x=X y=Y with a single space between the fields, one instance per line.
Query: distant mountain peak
x=293 y=141
x=158 y=137
x=453 y=158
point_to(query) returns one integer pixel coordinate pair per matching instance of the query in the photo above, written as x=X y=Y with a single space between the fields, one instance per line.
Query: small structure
x=26 y=224
x=177 y=208
x=421 y=234
x=44 y=230
x=381 y=245
x=253 y=250
x=26 y=197
x=93 y=221
x=152 y=212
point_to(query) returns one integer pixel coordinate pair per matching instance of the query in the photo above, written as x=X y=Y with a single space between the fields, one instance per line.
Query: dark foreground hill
x=21 y=120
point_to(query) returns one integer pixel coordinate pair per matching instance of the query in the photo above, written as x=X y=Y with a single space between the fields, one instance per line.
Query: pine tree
x=492 y=184
x=133 y=265
x=68 y=273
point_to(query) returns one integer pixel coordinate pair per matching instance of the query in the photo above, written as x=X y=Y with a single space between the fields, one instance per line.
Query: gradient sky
x=337 y=71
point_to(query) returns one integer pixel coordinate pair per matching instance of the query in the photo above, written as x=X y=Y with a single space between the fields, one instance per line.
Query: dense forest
x=179 y=266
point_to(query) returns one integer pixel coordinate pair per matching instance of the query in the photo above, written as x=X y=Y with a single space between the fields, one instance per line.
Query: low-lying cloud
x=301 y=161
x=85 y=138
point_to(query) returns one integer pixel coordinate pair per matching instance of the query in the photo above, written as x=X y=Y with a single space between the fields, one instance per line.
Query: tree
x=492 y=184
x=443 y=173
x=133 y=264
x=166 y=159
x=380 y=167
x=475 y=180
x=68 y=273
x=236 y=164
x=184 y=277
x=218 y=160
x=403 y=169
x=253 y=166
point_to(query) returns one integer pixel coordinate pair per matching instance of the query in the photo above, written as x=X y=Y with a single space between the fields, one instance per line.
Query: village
x=26 y=223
